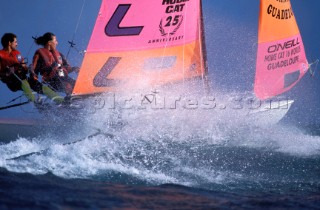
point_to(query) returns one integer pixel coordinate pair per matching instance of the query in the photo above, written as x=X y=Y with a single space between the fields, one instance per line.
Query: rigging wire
x=14 y=105
x=15 y=99
x=72 y=44
x=312 y=70
x=32 y=44
x=40 y=26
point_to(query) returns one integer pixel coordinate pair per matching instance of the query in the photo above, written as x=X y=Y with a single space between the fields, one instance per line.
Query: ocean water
x=159 y=156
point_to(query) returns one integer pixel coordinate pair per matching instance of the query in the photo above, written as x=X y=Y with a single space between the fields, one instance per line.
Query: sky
x=230 y=31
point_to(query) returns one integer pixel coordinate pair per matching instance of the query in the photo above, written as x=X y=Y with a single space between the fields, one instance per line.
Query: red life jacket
x=49 y=58
x=10 y=59
x=13 y=59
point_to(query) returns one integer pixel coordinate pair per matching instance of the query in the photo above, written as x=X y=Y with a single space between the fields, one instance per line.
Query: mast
x=204 y=50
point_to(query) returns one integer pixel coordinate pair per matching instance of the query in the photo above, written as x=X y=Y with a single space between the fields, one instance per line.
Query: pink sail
x=281 y=59
x=143 y=25
x=138 y=41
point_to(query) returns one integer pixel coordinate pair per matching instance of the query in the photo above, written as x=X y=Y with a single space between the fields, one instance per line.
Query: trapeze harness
x=13 y=59
x=53 y=71
x=51 y=59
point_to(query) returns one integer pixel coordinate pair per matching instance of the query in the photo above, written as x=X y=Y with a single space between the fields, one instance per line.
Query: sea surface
x=163 y=159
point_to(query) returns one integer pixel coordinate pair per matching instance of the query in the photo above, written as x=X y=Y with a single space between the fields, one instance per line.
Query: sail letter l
x=113 y=28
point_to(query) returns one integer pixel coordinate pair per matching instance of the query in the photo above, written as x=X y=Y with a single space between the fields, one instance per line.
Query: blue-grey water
x=163 y=159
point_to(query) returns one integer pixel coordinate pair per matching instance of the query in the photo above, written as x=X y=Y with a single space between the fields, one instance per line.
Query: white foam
x=155 y=145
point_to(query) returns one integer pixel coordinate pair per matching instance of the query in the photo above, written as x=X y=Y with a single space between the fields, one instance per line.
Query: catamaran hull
x=270 y=114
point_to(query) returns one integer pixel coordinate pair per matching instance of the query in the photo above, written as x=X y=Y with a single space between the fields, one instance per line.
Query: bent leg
x=27 y=90
x=51 y=94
